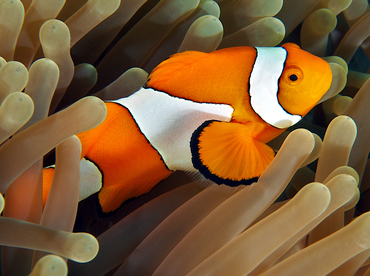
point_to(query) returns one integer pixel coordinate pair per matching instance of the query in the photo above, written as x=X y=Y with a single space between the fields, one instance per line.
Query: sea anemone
x=301 y=217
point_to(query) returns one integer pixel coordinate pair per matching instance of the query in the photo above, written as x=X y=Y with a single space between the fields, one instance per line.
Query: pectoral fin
x=225 y=153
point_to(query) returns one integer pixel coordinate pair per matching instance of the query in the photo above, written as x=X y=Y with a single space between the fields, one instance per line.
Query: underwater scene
x=184 y=137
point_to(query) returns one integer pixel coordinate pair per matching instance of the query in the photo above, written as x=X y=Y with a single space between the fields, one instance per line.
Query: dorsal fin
x=217 y=77
x=172 y=66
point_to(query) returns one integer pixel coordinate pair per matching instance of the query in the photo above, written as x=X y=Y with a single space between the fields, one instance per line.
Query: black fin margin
x=203 y=169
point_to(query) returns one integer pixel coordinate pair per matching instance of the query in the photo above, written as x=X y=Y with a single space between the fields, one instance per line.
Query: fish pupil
x=293 y=77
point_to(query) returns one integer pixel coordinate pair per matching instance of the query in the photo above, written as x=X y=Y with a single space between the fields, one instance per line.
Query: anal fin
x=116 y=191
x=111 y=197
x=226 y=153
x=113 y=194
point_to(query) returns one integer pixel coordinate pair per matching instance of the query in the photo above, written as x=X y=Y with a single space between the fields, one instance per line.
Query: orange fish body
x=204 y=112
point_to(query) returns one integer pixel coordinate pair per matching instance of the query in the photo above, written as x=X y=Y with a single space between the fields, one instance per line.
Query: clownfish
x=211 y=113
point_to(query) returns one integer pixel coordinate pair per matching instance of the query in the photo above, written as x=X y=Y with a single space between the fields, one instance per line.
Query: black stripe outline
x=278 y=86
x=137 y=125
x=278 y=82
x=97 y=166
x=175 y=97
x=169 y=94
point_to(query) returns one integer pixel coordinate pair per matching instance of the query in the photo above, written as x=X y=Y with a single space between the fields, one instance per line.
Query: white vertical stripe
x=90 y=179
x=264 y=86
x=168 y=122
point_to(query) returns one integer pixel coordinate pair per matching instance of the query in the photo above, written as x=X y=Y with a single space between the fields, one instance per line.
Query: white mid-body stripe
x=169 y=122
x=264 y=86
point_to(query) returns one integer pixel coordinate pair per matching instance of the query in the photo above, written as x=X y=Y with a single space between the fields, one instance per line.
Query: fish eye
x=293 y=77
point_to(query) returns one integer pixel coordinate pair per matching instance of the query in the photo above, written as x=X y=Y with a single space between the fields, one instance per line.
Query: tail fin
x=47 y=176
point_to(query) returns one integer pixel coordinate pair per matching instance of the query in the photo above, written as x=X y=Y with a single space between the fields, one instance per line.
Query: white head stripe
x=264 y=86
